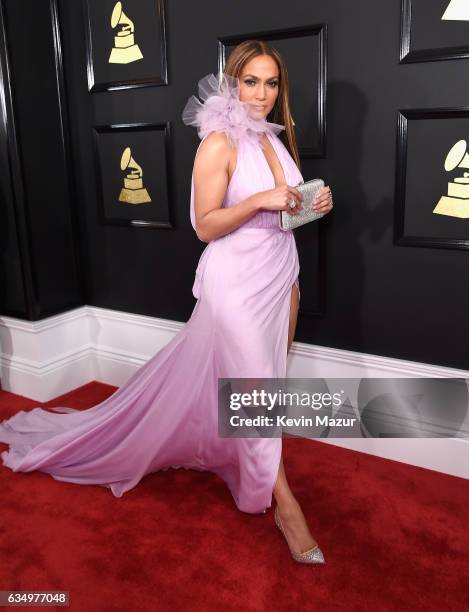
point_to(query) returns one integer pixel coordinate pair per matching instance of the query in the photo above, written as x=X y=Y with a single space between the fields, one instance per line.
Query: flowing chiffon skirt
x=165 y=415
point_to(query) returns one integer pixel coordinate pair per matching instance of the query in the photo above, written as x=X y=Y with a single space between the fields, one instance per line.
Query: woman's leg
x=296 y=530
x=294 y=305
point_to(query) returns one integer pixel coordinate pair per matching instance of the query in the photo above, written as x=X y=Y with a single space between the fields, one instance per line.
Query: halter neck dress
x=166 y=414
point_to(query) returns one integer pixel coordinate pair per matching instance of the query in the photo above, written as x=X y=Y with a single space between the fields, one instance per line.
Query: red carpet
x=394 y=536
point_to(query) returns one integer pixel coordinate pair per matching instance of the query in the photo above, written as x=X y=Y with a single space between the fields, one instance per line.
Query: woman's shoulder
x=214 y=145
x=217 y=139
x=216 y=151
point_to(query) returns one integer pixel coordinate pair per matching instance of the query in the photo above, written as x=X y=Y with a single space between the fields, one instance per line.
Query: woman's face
x=259 y=85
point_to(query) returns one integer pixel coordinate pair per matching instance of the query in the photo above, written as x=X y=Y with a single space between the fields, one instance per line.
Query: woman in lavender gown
x=242 y=326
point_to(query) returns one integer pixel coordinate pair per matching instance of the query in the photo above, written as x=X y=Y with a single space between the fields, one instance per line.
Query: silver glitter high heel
x=314 y=555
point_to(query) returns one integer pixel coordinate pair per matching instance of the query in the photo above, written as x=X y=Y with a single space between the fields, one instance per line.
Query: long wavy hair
x=244 y=53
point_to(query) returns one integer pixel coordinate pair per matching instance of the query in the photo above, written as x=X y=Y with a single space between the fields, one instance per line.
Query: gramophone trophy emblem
x=456 y=203
x=457 y=10
x=133 y=191
x=125 y=50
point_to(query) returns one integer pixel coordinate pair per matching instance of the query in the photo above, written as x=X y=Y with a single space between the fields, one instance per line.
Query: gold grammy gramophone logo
x=456 y=203
x=125 y=50
x=457 y=10
x=133 y=191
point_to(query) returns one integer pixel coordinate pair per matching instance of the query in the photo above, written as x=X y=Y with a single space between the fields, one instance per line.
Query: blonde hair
x=244 y=53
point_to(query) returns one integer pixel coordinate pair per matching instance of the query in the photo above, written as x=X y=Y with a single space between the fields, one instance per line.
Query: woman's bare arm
x=210 y=184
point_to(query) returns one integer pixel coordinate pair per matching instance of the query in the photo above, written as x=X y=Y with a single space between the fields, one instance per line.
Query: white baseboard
x=44 y=359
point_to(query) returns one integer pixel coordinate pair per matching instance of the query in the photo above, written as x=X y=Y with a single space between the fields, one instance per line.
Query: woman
x=242 y=325
x=230 y=175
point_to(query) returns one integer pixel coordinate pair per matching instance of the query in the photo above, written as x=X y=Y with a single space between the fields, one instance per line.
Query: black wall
x=40 y=263
x=379 y=297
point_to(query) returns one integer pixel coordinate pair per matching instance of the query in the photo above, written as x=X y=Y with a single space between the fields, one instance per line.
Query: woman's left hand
x=323 y=201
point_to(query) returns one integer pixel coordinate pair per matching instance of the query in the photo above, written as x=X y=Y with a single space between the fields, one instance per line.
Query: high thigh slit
x=295 y=284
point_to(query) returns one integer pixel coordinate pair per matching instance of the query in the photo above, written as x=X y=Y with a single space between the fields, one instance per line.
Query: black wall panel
x=39 y=106
x=380 y=298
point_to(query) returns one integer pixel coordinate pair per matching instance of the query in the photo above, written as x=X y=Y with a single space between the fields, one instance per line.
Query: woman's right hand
x=278 y=198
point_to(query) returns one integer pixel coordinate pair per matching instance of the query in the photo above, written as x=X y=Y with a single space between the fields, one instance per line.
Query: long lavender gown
x=165 y=415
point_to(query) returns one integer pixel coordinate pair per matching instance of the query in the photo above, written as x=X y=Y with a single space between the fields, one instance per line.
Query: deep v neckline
x=274 y=147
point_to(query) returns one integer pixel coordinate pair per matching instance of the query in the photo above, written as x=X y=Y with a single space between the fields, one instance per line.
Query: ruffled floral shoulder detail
x=222 y=110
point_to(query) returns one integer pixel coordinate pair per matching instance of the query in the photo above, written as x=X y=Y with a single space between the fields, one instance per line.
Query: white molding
x=47 y=358
x=310 y=360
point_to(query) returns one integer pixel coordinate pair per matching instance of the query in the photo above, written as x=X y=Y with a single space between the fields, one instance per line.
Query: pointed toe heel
x=313 y=555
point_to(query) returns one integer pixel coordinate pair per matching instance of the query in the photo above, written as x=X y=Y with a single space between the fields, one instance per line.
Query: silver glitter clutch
x=308 y=190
